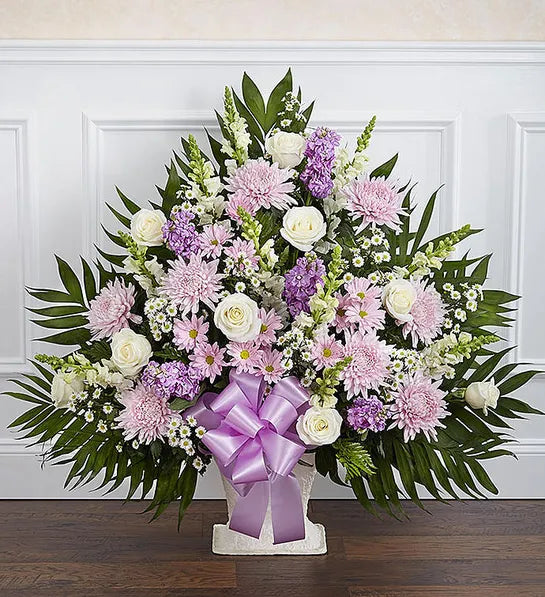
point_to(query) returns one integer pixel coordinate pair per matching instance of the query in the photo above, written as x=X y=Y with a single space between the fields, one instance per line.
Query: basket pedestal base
x=228 y=542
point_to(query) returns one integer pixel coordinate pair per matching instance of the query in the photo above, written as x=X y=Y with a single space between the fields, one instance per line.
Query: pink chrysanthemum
x=326 y=351
x=262 y=184
x=369 y=365
x=146 y=415
x=341 y=320
x=188 y=283
x=110 y=311
x=418 y=407
x=239 y=199
x=375 y=201
x=190 y=332
x=212 y=239
x=428 y=314
x=208 y=359
x=270 y=365
x=365 y=308
x=243 y=254
x=245 y=355
x=270 y=323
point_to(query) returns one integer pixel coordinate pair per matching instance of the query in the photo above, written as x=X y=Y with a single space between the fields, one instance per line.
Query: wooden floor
x=95 y=548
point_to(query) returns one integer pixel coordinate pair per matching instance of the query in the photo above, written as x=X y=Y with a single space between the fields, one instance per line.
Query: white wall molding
x=273 y=52
x=27 y=231
x=13 y=447
x=94 y=128
x=448 y=126
x=520 y=125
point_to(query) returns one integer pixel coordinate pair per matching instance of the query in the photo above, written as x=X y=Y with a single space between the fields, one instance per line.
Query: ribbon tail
x=249 y=511
x=288 y=518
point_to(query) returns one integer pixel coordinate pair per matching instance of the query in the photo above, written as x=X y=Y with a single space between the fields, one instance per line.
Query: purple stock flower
x=300 y=283
x=367 y=413
x=180 y=234
x=173 y=379
x=320 y=153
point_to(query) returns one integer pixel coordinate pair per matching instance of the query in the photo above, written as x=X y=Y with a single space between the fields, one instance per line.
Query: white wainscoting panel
x=79 y=118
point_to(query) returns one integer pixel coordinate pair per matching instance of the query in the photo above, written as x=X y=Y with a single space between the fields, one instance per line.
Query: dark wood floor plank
x=82 y=576
x=458 y=591
x=463 y=547
x=86 y=547
x=491 y=517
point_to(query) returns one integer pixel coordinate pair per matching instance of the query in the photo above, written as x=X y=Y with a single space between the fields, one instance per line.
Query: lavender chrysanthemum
x=301 y=282
x=173 y=379
x=146 y=415
x=320 y=154
x=110 y=311
x=188 y=283
x=367 y=413
x=180 y=234
x=419 y=405
x=374 y=201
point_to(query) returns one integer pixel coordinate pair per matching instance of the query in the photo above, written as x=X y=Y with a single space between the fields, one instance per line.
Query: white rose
x=303 y=226
x=482 y=394
x=63 y=388
x=398 y=298
x=130 y=352
x=319 y=426
x=286 y=149
x=237 y=316
x=146 y=227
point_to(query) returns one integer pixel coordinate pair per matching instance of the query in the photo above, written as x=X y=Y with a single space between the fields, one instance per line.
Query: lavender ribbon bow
x=251 y=440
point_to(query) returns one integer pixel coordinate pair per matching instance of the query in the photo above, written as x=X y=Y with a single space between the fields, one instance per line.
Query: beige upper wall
x=420 y=20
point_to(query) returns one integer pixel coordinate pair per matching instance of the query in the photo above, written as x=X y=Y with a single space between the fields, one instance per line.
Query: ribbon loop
x=252 y=439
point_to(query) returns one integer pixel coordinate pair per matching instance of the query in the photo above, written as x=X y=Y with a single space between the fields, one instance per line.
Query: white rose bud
x=286 y=149
x=146 y=227
x=237 y=316
x=63 y=388
x=303 y=227
x=398 y=298
x=131 y=352
x=319 y=426
x=482 y=394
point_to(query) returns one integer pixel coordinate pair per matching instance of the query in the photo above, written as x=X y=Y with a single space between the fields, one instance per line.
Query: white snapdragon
x=148 y=277
x=63 y=388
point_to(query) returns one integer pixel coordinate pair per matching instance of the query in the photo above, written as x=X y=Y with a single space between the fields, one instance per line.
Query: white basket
x=228 y=542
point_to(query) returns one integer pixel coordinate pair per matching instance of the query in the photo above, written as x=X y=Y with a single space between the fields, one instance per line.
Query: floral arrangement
x=276 y=301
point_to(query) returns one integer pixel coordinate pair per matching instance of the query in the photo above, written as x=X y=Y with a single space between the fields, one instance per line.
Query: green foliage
x=385 y=169
x=75 y=301
x=354 y=457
